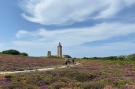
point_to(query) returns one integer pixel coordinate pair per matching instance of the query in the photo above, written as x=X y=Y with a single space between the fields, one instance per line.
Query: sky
x=86 y=28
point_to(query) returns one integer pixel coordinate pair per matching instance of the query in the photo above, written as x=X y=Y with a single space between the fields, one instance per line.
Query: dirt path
x=42 y=69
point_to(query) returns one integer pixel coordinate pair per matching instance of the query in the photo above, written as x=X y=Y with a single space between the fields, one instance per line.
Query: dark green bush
x=67 y=56
x=24 y=54
x=122 y=58
x=12 y=52
x=131 y=57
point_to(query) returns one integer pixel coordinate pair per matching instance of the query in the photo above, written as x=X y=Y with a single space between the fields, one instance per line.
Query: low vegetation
x=90 y=74
x=122 y=58
x=20 y=63
x=14 y=52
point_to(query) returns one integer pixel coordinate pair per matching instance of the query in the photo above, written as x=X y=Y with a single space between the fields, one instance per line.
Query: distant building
x=59 y=50
x=67 y=56
x=49 y=54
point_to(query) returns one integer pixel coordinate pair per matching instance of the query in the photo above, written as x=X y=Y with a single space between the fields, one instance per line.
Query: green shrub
x=48 y=79
x=120 y=83
x=57 y=85
x=20 y=86
x=12 y=52
x=82 y=77
x=92 y=85
x=24 y=54
x=131 y=57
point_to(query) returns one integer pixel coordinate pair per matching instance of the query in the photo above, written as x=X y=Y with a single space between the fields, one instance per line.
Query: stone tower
x=49 y=54
x=59 y=50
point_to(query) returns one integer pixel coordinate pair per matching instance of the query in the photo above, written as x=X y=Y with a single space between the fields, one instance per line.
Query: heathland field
x=90 y=74
x=20 y=63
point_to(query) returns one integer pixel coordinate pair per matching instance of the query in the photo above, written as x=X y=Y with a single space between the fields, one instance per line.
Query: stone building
x=49 y=54
x=59 y=50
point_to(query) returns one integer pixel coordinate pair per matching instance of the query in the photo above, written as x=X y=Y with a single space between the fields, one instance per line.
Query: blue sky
x=84 y=27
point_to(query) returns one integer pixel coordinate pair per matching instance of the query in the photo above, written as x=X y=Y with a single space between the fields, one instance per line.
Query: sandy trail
x=34 y=70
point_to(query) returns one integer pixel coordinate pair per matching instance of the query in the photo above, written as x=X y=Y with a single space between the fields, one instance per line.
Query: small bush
x=58 y=85
x=8 y=77
x=131 y=57
x=23 y=54
x=82 y=77
x=92 y=85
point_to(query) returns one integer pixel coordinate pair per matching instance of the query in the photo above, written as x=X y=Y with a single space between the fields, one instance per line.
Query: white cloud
x=78 y=36
x=70 y=11
x=22 y=32
x=110 y=49
x=62 y=12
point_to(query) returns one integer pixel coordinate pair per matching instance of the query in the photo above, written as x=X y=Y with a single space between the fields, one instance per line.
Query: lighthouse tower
x=59 y=50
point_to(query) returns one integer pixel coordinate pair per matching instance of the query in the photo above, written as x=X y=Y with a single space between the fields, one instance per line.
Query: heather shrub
x=120 y=83
x=65 y=80
x=20 y=86
x=90 y=74
x=92 y=85
x=82 y=77
x=77 y=75
x=57 y=85
x=48 y=79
